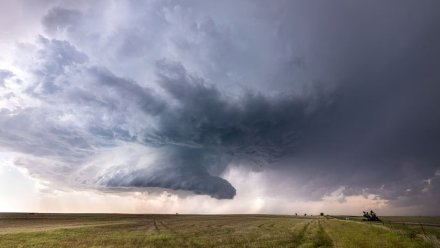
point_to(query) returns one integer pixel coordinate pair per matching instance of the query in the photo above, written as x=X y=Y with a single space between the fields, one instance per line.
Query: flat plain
x=127 y=230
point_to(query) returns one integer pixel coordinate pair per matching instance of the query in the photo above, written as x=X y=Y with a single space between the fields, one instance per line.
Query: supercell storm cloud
x=324 y=94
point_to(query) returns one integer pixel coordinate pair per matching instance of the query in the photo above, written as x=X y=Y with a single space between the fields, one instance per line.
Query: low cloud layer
x=171 y=96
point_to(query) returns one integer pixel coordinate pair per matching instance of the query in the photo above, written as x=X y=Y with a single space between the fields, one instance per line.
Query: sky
x=217 y=107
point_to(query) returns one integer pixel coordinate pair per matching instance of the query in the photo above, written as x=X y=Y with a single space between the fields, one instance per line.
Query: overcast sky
x=220 y=106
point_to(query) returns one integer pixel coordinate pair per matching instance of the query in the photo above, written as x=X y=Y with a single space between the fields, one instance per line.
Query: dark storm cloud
x=323 y=94
x=198 y=128
x=205 y=130
x=205 y=117
x=182 y=169
x=381 y=132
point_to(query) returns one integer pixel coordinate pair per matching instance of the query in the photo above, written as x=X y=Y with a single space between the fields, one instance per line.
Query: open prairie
x=118 y=230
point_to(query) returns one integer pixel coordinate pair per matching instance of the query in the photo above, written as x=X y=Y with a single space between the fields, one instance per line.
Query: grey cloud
x=5 y=74
x=205 y=117
x=35 y=132
x=181 y=169
x=380 y=132
x=56 y=57
x=322 y=95
x=200 y=143
x=173 y=179
x=129 y=90
x=60 y=19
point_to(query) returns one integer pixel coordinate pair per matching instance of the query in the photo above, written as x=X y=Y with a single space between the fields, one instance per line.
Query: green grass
x=104 y=230
x=357 y=234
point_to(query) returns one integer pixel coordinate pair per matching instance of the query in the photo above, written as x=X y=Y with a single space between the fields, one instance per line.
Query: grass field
x=113 y=230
